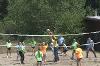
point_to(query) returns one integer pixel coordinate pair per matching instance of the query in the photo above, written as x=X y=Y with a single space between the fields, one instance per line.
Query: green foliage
x=35 y=16
x=3 y=8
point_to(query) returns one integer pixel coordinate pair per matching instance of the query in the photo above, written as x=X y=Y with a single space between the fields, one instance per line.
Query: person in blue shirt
x=17 y=49
x=62 y=45
x=21 y=51
x=90 y=47
x=61 y=40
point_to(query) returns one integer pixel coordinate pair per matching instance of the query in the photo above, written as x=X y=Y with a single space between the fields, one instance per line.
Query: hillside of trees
x=35 y=16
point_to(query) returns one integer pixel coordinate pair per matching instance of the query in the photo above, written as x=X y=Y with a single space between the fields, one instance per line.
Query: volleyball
x=48 y=30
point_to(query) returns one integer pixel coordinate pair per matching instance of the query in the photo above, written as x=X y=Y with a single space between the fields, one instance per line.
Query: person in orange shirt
x=43 y=49
x=79 y=55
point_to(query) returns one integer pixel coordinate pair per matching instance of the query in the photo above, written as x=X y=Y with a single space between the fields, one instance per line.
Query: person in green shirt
x=33 y=44
x=74 y=47
x=8 y=45
x=39 y=56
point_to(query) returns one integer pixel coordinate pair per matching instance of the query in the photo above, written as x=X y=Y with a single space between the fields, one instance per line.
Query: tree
x=3 y=8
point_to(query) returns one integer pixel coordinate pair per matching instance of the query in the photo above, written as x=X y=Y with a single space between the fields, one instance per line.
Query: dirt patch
x=64 y=60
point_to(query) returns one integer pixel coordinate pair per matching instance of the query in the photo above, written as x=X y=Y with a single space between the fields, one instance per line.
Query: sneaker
x=22 y=63
x=10 y=56
x=7 y=56
x=72 y=58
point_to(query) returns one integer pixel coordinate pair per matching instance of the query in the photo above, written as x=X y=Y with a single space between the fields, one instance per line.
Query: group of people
x=20 y=50
x=41 y=53
x=77 y=51
x=57 y=43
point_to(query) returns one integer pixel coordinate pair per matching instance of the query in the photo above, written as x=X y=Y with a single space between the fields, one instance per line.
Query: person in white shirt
x=8 y=45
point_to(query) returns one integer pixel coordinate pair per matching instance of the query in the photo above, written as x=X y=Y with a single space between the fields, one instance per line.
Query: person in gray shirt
x=90 y=47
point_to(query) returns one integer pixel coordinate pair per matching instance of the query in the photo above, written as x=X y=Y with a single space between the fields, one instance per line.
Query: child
x=90 y=47
x=17 y=48
x=74 y=47
x=43 y=49
x=79 y=55
x=33 y=46
x=21 y=50
x=8 y=44
x=65 y=49
x=55 y=45
x=38 y=56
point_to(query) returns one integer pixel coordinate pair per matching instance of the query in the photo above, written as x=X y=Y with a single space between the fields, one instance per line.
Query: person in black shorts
x=8 y=45
x=33 y=43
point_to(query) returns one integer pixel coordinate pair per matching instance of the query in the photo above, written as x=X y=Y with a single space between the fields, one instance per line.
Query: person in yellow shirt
x=79 y=55
x=55 y=45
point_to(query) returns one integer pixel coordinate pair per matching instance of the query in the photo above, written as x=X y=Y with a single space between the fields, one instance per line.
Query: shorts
x=33 y=47
x=60 y=46
x=9 y=48
x=65 y=49
x=39 y=61
x=78 y=59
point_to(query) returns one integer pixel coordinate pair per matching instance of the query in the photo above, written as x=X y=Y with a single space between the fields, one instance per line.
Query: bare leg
x=93 y=52
x=87 y=52
x=40 y=63
x=7 y=53
x=37 y=63
x=10 y=52
x=73 y=54
x=33 y=51
x=79 y=62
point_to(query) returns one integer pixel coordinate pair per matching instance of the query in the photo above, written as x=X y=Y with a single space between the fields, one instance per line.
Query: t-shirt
x=17 y=46
x=33 y=43
x=79 y=53
x=43 y=49
x=91 y=43
x=61 y=41
x=21 y=48
x=38 y=55
x=8 y=45
x=55 y=44
x=74 y=45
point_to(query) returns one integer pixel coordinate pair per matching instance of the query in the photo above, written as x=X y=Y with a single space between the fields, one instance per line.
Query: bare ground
x=64 y=60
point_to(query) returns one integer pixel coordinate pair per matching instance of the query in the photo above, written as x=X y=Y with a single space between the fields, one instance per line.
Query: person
x=55 y=45
x=17 y=48
x=90 y=47
x=33 y=43
x=22 y=51
x=73 y=46
x=61 y=41
x=38 y=56
x=79 y=55
x=65 y=49
x=43 y=49
x=8 y=44
x=51 y=46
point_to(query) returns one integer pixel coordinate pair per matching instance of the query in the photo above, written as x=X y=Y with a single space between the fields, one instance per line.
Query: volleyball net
x=42 y=38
